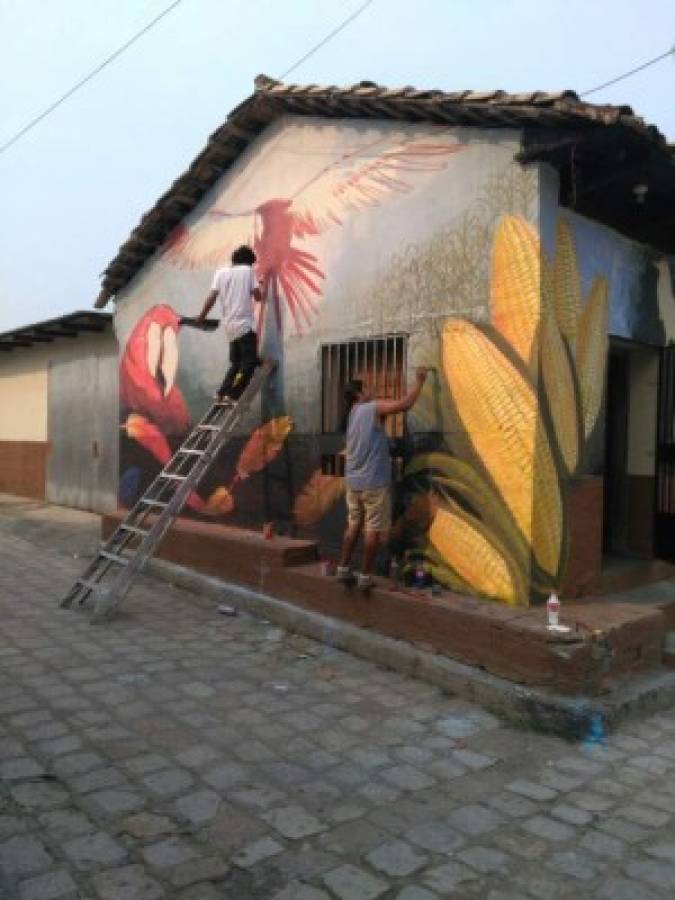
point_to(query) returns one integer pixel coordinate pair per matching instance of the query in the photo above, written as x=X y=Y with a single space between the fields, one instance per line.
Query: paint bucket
x=268 y=531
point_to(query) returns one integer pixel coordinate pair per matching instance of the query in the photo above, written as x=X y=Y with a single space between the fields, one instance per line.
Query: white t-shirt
x=235 y=285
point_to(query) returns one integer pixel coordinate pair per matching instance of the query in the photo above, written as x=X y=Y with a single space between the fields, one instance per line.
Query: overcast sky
x=74 y=187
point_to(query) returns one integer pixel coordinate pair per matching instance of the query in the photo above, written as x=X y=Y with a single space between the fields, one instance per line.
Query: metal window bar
x=380 y=362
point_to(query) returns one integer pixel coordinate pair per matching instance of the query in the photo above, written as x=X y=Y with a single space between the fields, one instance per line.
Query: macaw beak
x=162 y=355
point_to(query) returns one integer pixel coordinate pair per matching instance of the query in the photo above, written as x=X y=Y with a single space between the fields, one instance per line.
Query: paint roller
x=206 y=325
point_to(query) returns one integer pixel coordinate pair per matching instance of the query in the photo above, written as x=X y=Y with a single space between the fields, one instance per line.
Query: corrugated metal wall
x=83 y=429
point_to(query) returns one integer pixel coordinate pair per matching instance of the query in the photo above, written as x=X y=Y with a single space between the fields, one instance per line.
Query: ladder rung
x=114 y=557
x=218 y=425
x=92 y=586
x=134 y=529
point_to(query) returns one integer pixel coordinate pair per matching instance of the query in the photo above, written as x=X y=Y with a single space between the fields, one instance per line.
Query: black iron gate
x=665 y=459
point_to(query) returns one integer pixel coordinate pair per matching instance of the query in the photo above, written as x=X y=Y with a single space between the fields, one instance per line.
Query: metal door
x=665 y=458
x=83 y=429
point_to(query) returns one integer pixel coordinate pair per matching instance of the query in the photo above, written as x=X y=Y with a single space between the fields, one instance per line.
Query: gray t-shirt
x=368 y=463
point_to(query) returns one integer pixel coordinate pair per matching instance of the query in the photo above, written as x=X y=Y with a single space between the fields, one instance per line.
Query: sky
x=75 y=186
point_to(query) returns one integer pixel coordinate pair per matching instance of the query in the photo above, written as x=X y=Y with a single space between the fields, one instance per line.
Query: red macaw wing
x=210 y=240
x=365 y=178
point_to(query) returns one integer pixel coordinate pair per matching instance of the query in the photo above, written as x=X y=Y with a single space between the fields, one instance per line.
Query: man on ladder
x=126 y=551
x=236 y=287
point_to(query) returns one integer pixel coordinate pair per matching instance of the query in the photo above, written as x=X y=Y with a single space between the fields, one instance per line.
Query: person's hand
x=421 y=374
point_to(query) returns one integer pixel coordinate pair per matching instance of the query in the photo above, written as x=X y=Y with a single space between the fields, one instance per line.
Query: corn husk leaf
x=515 y=291
x=499 y=411
x=450 y=473
x=558 y=380
x=592 y=352
x=467 y=548
x=263 y=446
x=420 y=511
x=566 y=281
x=315 y=499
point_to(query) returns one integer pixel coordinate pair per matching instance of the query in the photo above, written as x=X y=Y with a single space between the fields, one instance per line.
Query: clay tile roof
x=540 y=110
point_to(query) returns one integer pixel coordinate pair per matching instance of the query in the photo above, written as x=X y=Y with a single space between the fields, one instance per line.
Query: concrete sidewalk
x=179 y=753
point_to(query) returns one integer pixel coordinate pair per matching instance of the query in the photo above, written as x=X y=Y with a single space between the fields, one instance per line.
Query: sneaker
x=344 y=574
x=364 y=582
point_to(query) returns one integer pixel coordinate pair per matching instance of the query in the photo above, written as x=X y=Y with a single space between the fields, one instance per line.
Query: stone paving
x=178 y=753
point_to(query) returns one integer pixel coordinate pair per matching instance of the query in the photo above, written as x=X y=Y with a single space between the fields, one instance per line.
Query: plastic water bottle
x=553 y=611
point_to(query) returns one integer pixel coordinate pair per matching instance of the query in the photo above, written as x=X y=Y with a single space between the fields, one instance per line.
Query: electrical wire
x=76 y=87
x=329 y=37
x=650 y=62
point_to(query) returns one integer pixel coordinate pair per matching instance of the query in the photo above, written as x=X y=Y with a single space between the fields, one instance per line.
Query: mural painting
x=526 y=391
x=392 y=230
x=343 y=182
x=156 y=418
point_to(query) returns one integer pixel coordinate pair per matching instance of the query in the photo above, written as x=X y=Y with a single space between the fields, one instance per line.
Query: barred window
x=379 y=362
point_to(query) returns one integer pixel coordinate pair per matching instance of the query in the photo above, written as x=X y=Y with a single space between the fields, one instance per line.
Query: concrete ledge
x=570 y=717
x=606 y=641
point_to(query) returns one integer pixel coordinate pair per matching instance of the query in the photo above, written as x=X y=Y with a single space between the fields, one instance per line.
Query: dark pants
x=243 y=361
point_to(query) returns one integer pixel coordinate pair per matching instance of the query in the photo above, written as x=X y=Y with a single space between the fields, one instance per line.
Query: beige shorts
x=372 y=507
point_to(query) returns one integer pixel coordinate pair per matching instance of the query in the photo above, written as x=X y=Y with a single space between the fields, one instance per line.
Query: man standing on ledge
x=368 y=473
x=236 y=287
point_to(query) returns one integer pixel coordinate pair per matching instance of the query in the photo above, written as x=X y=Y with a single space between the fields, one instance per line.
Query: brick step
x=233 y=554
x=607 y=641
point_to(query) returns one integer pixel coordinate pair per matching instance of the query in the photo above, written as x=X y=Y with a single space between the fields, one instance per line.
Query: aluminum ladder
x=124 y=554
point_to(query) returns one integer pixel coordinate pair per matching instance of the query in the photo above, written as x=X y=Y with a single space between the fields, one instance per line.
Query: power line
x=87 y=78
x=650 y=62
x=324 y=41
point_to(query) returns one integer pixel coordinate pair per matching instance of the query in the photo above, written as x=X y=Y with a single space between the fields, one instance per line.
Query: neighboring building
x=515 y=242
x=58 y=411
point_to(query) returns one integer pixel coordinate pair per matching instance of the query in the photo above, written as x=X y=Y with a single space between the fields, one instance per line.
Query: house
x=58 y=411
x=522 y=245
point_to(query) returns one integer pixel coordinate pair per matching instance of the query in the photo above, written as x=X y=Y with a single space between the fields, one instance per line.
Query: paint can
x=268 y=531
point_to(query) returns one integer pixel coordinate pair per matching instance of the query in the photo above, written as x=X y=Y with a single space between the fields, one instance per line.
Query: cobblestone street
x=179 y=753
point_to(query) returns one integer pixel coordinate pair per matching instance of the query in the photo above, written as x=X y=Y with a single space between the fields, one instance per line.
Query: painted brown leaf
x=263 y=446
x=220 y=503
x=315 y=499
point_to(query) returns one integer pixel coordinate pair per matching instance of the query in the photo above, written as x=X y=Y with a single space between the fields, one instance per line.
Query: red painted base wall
x=23 y=468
